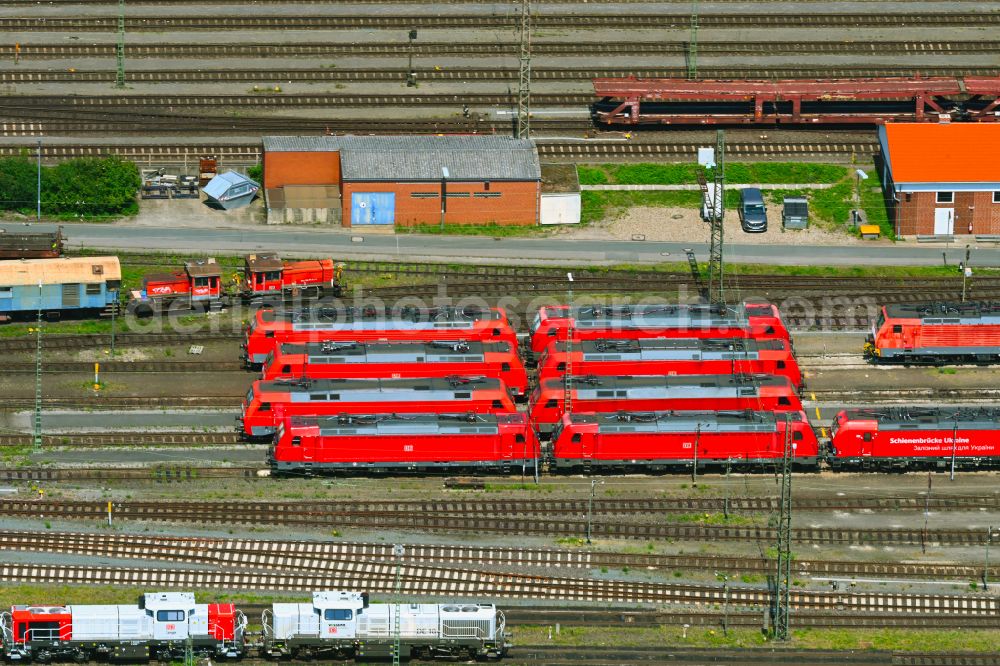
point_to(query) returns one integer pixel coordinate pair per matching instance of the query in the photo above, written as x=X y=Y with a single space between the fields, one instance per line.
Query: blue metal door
x=373 y=208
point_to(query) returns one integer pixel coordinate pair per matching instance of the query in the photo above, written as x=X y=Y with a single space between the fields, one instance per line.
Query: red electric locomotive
x=408 y=324
x=747 y=320
x=398 y=360
x=403 y=442
x=936 y=333
x=591 y=393
x=658 y=441
x=267 y=401
x=900 y=438
x=161 y=626
x=672 y=356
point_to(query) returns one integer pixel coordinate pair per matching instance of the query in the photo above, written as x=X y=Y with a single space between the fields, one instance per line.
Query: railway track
x=317 y=556
x=540 y=21
x=85 y=341
x=326 y=74
x=104 y=439
x=547 y=149
x=276 y=514
x=128 y=366
x=157 y=473
x=42 y=50
x=380 y=578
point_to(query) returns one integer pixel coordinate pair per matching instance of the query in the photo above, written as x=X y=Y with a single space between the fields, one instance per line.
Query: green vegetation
x=90 y=188
x=256 y=172
x=902 y=640
x=680 y=174
x=495 y=230
x=712 y=519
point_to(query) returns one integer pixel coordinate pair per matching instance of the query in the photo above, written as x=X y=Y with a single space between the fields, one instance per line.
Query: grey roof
x=302 y=144
x=420 y=158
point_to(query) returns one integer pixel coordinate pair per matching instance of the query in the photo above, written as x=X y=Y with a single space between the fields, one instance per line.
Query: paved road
x=509 y=250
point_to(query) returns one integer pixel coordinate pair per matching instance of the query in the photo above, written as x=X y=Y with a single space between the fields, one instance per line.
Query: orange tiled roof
x=944 y=153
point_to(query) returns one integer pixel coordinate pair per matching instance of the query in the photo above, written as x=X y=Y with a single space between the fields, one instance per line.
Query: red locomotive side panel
x=415 y=441
x=222 y=621
x=671 y=356
x=758 y=321
x=900 y=437
x=267 y=401
x=936 y=333
x=642 y=393
x=268 y=329
x=166 y=284
x=678 y=438
x=398 y=360
x=302 y=273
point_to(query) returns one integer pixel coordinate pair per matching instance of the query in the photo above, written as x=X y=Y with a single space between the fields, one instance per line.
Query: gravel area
x=685 y=224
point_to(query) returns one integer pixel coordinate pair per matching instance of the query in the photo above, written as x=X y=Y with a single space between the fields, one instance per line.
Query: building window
x=458 y=195
x=486 y=186
x=423 y=195
x=945 y=197
x=996 y=197
x=487 y=195
x=93 y=290
x=909 y=196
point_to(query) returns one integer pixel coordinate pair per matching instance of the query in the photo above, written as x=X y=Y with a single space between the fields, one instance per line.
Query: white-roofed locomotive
x=343 y=625
x=159 y=626
x=337 y=624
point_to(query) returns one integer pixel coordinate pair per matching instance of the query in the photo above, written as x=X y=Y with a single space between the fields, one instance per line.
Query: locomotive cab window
x=797 y=436
x=897 y=328
x=264 y=407
x=93 y=290
x=550 y=403
x=783 y=400
x=868 y=437
x=333 y=614
x=286 y=368
x=945 y=197
x=202 y=282
x=169 y=616
x=505 y=367
x=296 y=441
x=781 y=365
x=519 y=439
x=496 y=404
x=576 y=438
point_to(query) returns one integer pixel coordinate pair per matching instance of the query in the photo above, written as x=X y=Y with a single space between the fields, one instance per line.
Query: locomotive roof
x=749 y=381
x=984 y=312
x=347 y=425
x=907 y=418
x=673 y=348
x=597 y=316
x=319 y=315
x=264 y=261
x=62 y=270
x=307 y=385
x=400 y=352
x=203 y=268
x=684 y=421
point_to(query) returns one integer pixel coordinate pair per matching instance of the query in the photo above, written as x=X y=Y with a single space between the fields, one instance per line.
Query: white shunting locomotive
x=343 y=625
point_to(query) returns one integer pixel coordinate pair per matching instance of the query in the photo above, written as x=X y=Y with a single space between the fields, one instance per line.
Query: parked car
x=753 y=212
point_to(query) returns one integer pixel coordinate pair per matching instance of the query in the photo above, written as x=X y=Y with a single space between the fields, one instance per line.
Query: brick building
x=400 y=180
x=942 y=178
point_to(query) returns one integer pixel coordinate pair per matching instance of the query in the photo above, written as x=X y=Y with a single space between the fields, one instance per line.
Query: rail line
x=324 y=74
x=88 y=340
x=42 y=50
x=241 y=153
x=104 y=439
x=157 y=473
x=630 y=21
x=35 y=3
x=313 y=555
x=380 y=578
x=276 y=514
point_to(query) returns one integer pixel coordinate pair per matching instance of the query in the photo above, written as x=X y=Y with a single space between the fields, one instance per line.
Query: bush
x=256 y=172
x=88 y=187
